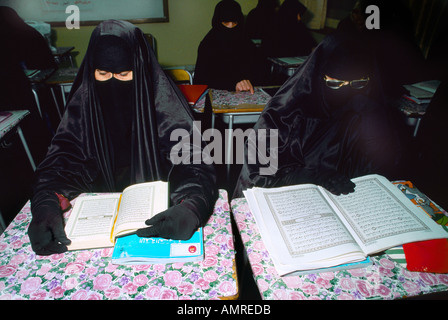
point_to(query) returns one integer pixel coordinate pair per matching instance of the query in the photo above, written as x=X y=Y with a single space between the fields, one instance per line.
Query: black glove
x=335 y=182
x=178 y=222
x=46 y=231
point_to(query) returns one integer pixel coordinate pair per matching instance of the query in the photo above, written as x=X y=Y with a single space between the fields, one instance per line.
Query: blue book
x=134 y=250
x=346 y=266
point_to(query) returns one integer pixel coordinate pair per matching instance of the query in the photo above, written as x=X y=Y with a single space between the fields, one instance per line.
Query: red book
x=427 y=256
x=192 y=92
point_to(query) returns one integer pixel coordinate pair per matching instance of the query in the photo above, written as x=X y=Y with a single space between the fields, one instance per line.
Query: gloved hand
x=178 y=222
x=46 y=231
x=335 y=182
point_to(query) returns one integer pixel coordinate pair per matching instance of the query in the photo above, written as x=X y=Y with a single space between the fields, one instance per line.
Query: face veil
x=112 y=56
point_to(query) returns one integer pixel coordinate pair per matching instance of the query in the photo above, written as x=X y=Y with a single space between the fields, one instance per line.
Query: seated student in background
x=226 y=55
x=400 y=59
x=431 y=145
x=290 y=37
x=262 y=18
x=23 y=46
x=116 y=132
x=333 y=123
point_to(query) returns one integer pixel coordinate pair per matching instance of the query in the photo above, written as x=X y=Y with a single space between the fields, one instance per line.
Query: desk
x=37 y=79
x=385 y=279
x=90 y=275
x=62 y=78
x=286 y=65
x=414 y=104
x=236 y=108
x=62 y=53
x=13 y=122
x=412 y=111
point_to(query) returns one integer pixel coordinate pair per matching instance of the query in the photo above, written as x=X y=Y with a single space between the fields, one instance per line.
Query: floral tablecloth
x=90 y=275
x=385 y=279
x=231 y=101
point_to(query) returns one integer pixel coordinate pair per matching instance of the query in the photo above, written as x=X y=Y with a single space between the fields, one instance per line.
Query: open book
x=306 y=227
x=97 y=220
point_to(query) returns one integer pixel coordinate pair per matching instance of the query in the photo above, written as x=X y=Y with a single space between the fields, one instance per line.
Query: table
x=13 y=122
x=90 y=275
x=62 y=78
x=62 y=53
x=385 y=279
x=412 y=111
x=286 y=65
x=37 y=79
x=234 y=108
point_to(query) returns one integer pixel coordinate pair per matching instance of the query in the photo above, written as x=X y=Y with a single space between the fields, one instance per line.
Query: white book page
x=91 y=220
x=380 y=216
x=140 y=202
x=302 y=232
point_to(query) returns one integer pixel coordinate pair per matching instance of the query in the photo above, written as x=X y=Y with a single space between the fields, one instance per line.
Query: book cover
x=133 y=250
x=193 y=92
x=427 y=256
x=346 y=266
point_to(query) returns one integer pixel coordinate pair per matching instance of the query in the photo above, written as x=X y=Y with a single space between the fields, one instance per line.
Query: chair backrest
x=180 y=76
x=152 y=42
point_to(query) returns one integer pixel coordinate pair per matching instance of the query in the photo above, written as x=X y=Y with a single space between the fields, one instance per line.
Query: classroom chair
x=152 y=42
x=180 y=76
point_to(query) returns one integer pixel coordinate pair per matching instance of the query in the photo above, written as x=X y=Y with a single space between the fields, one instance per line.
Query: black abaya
x=328 y=136
x=226 y=56
x=82 y=156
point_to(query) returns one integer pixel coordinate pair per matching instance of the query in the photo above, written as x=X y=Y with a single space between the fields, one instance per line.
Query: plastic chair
x=180 y=76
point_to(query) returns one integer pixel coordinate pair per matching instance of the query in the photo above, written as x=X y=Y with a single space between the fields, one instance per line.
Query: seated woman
x=23 y=46
x=116 y=132
x=332 y=123
x=261 y=19
x=226 y=55
x=289 y=37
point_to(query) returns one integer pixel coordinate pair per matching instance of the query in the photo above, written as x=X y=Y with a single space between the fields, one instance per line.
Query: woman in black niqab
x=330 y=131
x=261 y=19
x=289 y=37
x=115 y=132
x=226 y=55
x=23 y=46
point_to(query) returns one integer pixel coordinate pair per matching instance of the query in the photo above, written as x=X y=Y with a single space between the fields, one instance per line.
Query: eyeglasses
x=336 y=84
x=102 y=75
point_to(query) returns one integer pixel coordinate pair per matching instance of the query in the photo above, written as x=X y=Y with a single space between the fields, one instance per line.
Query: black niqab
x=289 y=37
x=261 y=19
x=115 y=98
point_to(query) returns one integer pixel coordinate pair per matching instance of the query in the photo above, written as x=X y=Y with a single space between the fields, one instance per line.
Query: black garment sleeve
x=197 y=184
